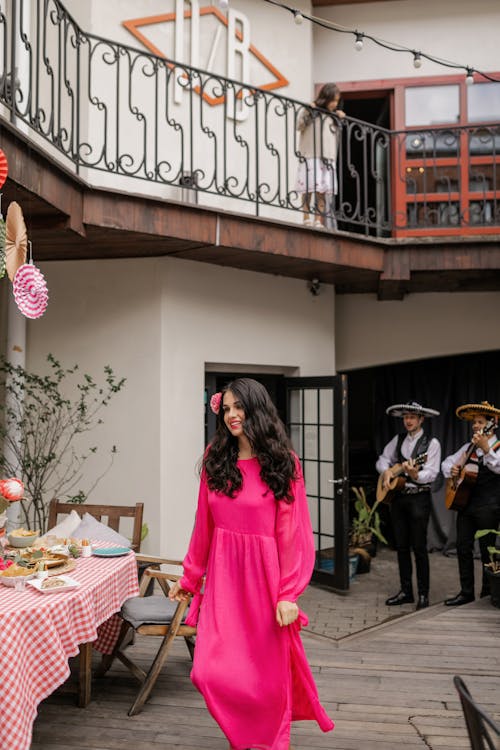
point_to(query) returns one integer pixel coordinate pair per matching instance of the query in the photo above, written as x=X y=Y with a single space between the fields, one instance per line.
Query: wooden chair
x=481 y=729
x=152 y=615
x=113 y=513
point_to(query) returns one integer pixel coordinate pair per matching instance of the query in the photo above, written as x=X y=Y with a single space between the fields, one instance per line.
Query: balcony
x=120 y=117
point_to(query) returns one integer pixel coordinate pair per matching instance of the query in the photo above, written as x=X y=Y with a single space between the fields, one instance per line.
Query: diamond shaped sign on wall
x=150 y=31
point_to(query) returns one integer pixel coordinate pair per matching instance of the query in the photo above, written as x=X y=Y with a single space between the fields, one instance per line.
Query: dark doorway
x=314 y=411
x=443 y=383
x=364 y=164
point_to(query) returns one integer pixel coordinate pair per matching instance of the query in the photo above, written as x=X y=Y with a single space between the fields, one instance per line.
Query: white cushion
x=91 y=528
x=67 y=526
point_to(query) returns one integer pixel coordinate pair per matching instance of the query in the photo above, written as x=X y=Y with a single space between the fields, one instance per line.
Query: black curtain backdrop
x=444 y=384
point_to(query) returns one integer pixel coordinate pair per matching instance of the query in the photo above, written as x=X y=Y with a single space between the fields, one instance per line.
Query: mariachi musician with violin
x=473 y=490
x=407 y=466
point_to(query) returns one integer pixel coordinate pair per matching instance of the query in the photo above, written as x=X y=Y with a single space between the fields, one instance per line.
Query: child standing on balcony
x=318 y=147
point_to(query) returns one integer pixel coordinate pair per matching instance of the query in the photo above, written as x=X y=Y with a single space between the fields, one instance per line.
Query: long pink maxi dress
x=255 y=551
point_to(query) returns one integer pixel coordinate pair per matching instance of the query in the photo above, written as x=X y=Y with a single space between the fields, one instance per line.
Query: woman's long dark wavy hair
x=268 y=439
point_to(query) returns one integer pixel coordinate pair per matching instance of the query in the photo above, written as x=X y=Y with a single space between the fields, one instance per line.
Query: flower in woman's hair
x=215 y=402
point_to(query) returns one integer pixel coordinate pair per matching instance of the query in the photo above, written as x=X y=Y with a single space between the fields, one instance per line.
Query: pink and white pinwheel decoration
x=30 y=291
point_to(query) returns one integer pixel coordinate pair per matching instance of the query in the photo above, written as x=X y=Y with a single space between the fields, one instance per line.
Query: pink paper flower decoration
x=215 y=402
x=11 y=489
x=30 y=291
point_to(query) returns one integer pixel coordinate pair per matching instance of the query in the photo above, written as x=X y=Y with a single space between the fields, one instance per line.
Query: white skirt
x=317 y=176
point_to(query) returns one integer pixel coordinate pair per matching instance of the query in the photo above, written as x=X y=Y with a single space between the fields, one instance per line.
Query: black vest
x=486 y=490
x=420 y=446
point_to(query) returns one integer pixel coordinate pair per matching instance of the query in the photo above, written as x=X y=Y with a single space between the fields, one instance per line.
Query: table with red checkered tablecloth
x=39 y=632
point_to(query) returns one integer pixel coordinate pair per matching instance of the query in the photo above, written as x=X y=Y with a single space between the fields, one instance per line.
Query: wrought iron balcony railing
x=191 y=135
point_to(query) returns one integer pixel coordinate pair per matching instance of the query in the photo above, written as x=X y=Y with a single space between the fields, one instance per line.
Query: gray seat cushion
x=149 y=610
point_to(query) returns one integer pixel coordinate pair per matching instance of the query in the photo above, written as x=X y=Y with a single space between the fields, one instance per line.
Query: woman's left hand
x=286 y=613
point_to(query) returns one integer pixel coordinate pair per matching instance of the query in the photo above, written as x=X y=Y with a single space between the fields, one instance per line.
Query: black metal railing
x=193 y=135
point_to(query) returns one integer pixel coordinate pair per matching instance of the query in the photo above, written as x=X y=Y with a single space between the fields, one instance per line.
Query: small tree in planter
x=492 y=568
x=40 y=428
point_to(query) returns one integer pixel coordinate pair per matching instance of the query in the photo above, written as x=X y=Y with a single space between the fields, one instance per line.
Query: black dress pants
x=410 y=518
x=470 y=520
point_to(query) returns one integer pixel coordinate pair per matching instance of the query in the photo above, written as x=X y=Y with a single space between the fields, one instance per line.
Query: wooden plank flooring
x=386 y=688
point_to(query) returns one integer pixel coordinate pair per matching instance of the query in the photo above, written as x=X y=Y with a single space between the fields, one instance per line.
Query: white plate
x=69 y=583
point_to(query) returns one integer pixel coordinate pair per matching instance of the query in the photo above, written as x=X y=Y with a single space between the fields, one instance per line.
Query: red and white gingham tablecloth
x=39 y=632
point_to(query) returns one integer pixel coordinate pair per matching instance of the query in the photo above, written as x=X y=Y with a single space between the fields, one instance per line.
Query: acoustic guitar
x=458 y=488
x=397 y=481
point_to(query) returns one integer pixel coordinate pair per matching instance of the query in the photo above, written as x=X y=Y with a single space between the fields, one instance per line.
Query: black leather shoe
x=422 y=601
x=459 y=599
x=484 y=593
x=401 y=598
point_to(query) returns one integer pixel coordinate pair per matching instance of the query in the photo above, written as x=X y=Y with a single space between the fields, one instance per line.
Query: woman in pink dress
x=252 y=546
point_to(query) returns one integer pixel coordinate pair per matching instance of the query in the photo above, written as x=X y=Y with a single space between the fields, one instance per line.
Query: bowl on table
x=22 y=537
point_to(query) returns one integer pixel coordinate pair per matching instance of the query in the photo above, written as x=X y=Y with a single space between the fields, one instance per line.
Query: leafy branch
x=42 y=420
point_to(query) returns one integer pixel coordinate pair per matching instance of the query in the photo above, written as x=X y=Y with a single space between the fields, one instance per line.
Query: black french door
x=316 y=417
x=315 y=413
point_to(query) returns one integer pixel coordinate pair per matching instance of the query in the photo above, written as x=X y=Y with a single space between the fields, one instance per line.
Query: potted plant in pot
x=492 y=569
x=364 y=526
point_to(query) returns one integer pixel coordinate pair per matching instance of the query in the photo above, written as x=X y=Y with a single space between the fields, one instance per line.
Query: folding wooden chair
x=481 y=729
x=152 y=615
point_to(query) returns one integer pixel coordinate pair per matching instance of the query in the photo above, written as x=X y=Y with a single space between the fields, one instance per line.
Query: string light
x=360 y=36
x=298 y=17
x=224 y=4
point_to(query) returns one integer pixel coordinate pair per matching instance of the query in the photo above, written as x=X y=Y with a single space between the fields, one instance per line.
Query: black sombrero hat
x=411 y=407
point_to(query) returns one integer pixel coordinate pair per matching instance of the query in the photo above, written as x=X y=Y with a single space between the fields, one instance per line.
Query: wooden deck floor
x=386 y=688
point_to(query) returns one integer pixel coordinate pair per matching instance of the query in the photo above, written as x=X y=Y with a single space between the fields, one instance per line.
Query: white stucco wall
x=369 y=332
x=157 y=322
x=455 y=30
x=234 y=151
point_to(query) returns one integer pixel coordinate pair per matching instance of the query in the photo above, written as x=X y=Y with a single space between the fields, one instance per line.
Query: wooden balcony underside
x=69 y=220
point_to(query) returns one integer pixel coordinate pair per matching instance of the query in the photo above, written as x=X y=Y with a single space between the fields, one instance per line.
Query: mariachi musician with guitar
x=473 y=490
x=407 y=466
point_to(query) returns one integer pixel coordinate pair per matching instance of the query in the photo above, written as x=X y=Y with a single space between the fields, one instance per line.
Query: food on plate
x=53 y=583
x=22 y=532
x=16 y=570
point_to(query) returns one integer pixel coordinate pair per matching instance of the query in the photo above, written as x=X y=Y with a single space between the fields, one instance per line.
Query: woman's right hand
x=177 y=593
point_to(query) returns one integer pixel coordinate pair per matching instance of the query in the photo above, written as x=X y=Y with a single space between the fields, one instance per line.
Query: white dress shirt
x=491 y=459
x=429 y=470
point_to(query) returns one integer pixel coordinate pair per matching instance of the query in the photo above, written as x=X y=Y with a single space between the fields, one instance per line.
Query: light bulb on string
x=358 y=44
x=417 y=60
x=224 y=4
x=298 y=17
x=469 y=78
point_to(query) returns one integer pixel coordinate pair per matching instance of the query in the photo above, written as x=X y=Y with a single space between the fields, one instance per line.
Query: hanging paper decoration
x=16 y=239
x=4 y=168
x=30 y=291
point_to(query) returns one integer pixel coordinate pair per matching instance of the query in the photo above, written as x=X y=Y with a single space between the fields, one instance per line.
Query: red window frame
x=395 y=88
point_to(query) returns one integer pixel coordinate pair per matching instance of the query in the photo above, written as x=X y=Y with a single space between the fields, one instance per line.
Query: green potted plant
x=364 y=526
x=492 y=568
